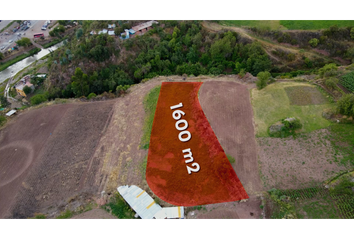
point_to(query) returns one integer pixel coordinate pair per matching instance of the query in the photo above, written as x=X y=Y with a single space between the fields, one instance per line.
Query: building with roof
x=111 y=33
x=145 y=206
x=111 y=26
x=144 y=27
x=22 y=83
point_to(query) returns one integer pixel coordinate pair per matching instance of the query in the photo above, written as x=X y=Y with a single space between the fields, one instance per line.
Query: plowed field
x=45 y=156
x=201 y=175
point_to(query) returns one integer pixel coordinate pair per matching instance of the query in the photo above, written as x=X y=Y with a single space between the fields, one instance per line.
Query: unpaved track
x=268 y=45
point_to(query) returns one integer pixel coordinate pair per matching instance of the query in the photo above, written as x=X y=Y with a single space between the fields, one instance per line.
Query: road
x=35 y=27
x=4 y=23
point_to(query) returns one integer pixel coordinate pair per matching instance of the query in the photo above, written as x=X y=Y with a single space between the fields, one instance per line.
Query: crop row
x=306 y=193
x=345 y=205
x=348 y=81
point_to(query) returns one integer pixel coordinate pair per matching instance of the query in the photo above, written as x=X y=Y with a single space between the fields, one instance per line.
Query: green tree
x=331 y=83
x=4 y=102
x=1 y=56
x=25 y=42
x=91 y=95
x=79 y=33
x=27 y=90
x=313 y=42
x=328 y=70
x=80 y=85
x=345 y=105
x=37 y=99
x=262 y=79
x=352 y=33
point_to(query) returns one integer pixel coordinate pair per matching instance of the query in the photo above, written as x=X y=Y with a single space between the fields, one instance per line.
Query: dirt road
x=268 y=45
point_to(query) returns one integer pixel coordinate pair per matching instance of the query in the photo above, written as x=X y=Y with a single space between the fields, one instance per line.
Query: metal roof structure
x=144 y=25
x=111 y=33
x=145 y=206
x=10 y=113
x=170 y=212
x=140 y=201
x=104 y=30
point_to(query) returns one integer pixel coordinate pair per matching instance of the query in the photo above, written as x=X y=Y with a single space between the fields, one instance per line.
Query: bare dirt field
x=95 y=214
x=78 y=150
x=60 y=140
x=297 y=163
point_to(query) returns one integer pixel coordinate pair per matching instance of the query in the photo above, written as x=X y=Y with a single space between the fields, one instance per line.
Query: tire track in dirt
x=268 y=46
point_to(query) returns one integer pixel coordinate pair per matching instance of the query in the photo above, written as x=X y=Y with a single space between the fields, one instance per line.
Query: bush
x=328 y=70
x=345 y=105
x=91 y=95
x=242 y=73
x=118 y=207
x=37 y=99
x=291 y=123
x=344 y=188
x=331 y=83
x=3 y=101
x=27 y=90
x=262 y=79
x=2 y=120
x=314 y=42
x=231 y=159
x=122 y=89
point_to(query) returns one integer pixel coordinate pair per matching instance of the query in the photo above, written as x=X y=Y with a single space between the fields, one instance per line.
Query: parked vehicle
x=27 y=27
x=44 y=27
x=3 y=47
x=11 y=41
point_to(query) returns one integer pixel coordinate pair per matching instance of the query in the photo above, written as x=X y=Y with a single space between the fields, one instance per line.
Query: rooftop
x=144 y=25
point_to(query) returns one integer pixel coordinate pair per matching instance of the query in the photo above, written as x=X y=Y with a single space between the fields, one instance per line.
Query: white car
x=11 y=41
x=2 y=48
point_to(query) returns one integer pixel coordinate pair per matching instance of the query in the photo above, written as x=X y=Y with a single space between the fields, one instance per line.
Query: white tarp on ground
x=10 y=113
x=140 y=201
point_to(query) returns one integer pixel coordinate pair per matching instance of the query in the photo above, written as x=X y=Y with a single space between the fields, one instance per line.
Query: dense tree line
x=171 y=47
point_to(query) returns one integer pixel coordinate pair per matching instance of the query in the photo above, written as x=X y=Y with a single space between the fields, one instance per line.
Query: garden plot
x=304 y=95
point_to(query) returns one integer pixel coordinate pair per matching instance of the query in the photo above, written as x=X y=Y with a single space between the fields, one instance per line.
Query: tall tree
x=80 y=85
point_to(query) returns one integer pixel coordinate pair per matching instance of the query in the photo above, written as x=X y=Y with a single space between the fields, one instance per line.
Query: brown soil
x=95 y=214
x=231 y=210
x=297 y=163
x=228 y=108
x=63 y=139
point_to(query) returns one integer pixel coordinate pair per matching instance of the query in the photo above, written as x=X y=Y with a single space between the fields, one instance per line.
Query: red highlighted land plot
x=186 y=164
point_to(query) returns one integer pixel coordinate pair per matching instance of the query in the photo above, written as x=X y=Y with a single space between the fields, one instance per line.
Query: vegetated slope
x=315 y=24
x=264 y=24
x=285 y=57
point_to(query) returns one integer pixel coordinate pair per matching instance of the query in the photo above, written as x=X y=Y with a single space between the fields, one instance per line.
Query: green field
x=150 y=103
x=265 y=24
x=272 y=104
x=314 y=24
x=288 y=24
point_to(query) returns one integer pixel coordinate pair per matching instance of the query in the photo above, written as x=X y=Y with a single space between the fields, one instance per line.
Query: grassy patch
x=52 y=43
x=265 y=24
x=142 y=168
x=304 y=95
x=314 y=24
x=118 y=207
x=342 y=139
x=39 y=216
x=231 y=159
x=150 y=103
x=320 y=208
x=7 y=64
x=272 y=103
x=65 y=215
